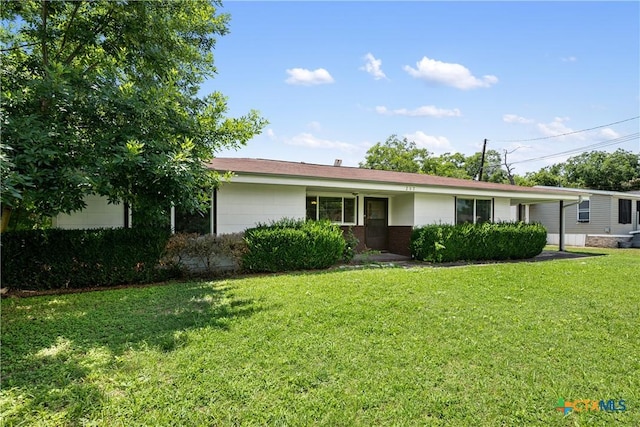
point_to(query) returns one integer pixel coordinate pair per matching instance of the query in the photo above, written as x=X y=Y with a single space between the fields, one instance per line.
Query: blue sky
x=334 y=78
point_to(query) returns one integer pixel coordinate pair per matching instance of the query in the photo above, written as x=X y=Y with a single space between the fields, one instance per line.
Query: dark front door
x=375 y=223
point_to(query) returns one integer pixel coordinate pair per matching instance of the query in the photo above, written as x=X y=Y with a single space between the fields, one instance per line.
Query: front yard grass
x=485 y=345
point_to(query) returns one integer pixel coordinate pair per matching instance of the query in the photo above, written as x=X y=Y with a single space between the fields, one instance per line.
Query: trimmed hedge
x=289 y=245
x=469 y=242
x=57 y=259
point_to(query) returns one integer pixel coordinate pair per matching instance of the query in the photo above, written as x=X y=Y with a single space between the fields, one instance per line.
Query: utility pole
x=484 y=149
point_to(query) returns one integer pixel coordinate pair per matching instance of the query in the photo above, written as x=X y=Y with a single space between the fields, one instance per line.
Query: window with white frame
x=584 y=211
x=474 y=211
x=341 y=210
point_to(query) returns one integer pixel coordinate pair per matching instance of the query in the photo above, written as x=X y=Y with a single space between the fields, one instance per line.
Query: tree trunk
x=6 y=216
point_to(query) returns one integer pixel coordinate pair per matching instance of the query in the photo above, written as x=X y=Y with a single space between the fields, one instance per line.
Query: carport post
x=561 y=229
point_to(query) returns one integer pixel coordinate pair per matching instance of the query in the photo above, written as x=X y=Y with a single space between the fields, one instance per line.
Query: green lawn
x=484 y=345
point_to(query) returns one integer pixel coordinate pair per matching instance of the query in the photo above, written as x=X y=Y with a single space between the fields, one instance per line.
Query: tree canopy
x=597 y=170
x=102 y=97
x=395 y=154
x=402 y=155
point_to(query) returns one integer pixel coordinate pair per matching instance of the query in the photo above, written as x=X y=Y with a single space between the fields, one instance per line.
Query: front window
x=192 y=222
x=349 y=210
x=473 y=211
x=624 y=211
x=583 y=211
x=483 y=211
x=330 y=208
x=464 y=211
x=312 y=208
x=340 y=210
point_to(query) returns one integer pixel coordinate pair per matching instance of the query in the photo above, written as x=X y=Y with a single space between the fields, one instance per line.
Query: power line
x=567 y=133
x=601 y=144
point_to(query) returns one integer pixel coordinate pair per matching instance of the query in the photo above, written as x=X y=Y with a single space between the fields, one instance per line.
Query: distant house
x=602 y=219
x=380 y=207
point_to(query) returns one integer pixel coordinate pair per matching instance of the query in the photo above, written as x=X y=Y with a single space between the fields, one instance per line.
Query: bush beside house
x=469 y=242
x=289 y=244
x=58 y=259
x=205 y=255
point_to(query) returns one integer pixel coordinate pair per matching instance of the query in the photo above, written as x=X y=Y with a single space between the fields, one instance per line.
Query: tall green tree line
x=402 y=155
x=102 y=97
x=598 y=170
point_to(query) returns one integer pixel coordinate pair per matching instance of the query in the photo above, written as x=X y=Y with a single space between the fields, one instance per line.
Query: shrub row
x=293 y=245
x=55 y=258
x=487 y=241
x=209 y=255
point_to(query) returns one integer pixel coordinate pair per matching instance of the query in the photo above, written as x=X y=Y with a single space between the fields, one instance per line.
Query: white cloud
x=304 y=77
x=608 y=133
x=436 y=144
x=310 y=141
x=270 y=134
x=314 y=126
x=558 y=127
x=513 y=118
x=569 y=59
x=449 y=74
x=424 y=111
x=372 y=67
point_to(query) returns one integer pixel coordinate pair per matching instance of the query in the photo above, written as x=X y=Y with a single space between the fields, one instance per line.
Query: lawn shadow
x=51 y=345
x=385 y=261
x=550 y=255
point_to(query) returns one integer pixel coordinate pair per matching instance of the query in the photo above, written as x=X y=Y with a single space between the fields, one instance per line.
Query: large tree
x=395 y=154
x=102 y=97
x=491 y=170
x=449 y=164
x=403 y=155
x=597 y=170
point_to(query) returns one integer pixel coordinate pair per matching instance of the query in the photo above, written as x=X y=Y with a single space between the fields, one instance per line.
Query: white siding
x=546 y=214
x=569 y=239
x=401 y=210
x=434 y=209
x=616 y=227
x=603 y=217
x=514 y=213
x=241 y=206
x=98 y=214
x=502 y=209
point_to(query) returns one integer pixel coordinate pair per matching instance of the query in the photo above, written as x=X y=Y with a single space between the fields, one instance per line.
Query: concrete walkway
x=386 y=257
x=379 y=257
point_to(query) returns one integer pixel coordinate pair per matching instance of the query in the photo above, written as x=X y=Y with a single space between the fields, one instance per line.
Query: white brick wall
x=98 y=214
x=434 y=209
x=241 y=206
